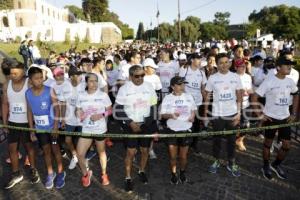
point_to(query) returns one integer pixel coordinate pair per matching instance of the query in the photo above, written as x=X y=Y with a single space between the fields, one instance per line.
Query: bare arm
x=5 y=105
x=55 y=109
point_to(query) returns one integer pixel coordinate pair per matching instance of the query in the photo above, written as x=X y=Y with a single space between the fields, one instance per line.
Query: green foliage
x=77 y=39
x=95 y=10
x=280 y=20
x=87 y=38
x=18 y=39
x=38 y=39
x=78 y=12
x=6 y=5
x=140 y=32
x=59 y=47
x=222 y=19
x=211 y=30
x=67 y=37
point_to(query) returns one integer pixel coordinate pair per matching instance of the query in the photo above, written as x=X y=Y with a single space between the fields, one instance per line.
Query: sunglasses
x=139 y=76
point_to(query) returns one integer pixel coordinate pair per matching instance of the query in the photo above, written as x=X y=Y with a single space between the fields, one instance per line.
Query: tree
x=95 y=10
x=195 y=21
x=6 y=5
x=189 y=31
x=209 y=30
x=78 y=12
x=222 y=19
x=280 y=20
x=140 y=32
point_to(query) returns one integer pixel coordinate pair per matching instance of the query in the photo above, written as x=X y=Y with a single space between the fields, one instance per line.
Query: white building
x=40 y=20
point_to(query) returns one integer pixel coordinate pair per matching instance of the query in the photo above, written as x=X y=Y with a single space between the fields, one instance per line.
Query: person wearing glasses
x=135 y=108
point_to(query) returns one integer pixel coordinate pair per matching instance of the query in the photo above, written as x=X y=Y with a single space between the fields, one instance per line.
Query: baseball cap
x=177 y=80
x=196 y=56
x=269 y=59
x=74 y=71
x=182 y=57
x=58 y=71
x=258 y=56
x=149 y=62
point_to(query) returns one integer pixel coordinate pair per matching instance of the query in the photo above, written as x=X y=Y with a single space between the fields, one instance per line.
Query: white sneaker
x=152 y=154
x=73 y=162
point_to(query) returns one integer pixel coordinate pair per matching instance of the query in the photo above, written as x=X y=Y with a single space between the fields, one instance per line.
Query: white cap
x=182 y=57
x=45 y=68
x=149 y=62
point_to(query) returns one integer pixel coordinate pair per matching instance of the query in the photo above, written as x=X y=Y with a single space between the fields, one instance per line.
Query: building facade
x=40 y=20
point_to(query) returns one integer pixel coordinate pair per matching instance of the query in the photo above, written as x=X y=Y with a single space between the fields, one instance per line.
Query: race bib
x=18 y=108
x=226 y=94
x=281 y=99
x=195 y=85
x=42 y=120
x=73 y=102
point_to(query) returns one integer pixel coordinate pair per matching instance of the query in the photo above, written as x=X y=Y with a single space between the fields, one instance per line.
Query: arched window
x=19 y=5
x=43 y=9
x=5 y=22
x=21 y=21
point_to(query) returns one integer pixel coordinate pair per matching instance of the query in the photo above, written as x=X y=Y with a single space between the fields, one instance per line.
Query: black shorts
x=99 y=139
x=140 y=142
x=181 y=141
x=45 y=139
x=17 y=136
x=284 y=133
x=223 y=123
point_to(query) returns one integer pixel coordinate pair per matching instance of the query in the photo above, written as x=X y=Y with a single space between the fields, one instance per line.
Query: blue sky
x=134 y=11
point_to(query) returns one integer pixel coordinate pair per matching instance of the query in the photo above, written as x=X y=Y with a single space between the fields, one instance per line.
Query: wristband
x=106 y=113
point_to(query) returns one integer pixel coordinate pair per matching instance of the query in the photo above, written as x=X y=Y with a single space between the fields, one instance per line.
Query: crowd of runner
x=148 y=89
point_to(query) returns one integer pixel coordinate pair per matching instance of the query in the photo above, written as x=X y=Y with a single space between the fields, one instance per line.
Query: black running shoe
x=182 y=177
x=143 y=177
x=267 y=173
x=174 y=179
x=16 y=178
x=279 y=171
x=35 y=177
x=128 y=185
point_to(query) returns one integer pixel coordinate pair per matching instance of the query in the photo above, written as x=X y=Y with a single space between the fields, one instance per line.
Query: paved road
x=202 y=185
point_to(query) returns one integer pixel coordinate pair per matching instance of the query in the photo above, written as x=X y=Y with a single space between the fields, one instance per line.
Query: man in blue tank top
x=43 y=112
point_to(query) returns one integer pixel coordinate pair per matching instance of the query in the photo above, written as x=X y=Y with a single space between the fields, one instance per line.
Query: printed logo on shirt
x=44 y=105
x=218 y=82
x=140 y=103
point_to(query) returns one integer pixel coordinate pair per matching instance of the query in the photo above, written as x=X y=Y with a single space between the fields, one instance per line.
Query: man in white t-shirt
x=134 y=59
x=277 y=90
x=167 y=69
x=135 y=108
x=226 y=88
x=196 y=80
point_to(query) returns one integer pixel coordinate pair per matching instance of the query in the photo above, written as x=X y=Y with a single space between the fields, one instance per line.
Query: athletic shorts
x=284 y=133
x=17 y=136
x=140 y=142
x=45 y=139
x=181 y=141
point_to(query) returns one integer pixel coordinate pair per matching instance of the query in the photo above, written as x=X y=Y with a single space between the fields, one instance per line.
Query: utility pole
x=179 y=23
x=157 y=16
